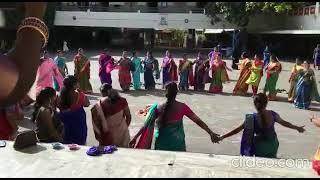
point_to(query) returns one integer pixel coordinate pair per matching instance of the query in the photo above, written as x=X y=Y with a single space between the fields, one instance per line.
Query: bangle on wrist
x=38 y=25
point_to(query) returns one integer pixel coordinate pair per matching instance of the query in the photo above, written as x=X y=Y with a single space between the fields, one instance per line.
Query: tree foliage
x=239 y=13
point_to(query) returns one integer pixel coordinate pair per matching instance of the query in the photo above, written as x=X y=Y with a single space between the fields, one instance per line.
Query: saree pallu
x=75 y=126
x=252 y=145
x=111 y=130
x=82 y=72
x=146 y=137
x=124 y=77
x=303 y=94
x=241 y=86
x=171 y=137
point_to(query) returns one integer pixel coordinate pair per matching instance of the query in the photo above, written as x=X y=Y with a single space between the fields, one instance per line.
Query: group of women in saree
x=129 y=66
x=212 y=70
x=303 y=86
x=164 y=126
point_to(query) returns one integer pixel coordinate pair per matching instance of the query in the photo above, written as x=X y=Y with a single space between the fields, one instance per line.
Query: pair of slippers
x=96 y=151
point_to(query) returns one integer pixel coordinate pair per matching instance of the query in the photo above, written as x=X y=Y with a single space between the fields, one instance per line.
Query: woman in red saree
x=111 y=118
x=8 y=126
x=124 y=72
x=169 y=69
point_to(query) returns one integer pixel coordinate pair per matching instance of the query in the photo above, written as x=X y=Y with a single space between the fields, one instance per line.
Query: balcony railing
x=139 y=9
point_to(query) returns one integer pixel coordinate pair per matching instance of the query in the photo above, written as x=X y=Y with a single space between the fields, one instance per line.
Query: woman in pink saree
x=111 y=118
x=46 y=73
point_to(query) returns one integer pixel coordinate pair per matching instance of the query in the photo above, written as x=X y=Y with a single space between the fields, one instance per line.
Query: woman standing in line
x=219 y=74
x=241 y=87
x=185 y=71
x=124 y=72
x=202 y=65
x=138 y=69
x=150 y=66
x=296 y=69
x=306 y=88
x=256 y=74
x=82 y=71
x=273 y=70
x=169 y=69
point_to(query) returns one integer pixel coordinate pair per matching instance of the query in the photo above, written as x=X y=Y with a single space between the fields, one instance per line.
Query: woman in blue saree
x=168 y=118
x=306 y=88
x=71 y=104
x=151 y=66
x=259 y=137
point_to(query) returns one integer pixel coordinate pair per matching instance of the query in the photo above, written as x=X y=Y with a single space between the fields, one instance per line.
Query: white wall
x=137 y=20
x=178 y=20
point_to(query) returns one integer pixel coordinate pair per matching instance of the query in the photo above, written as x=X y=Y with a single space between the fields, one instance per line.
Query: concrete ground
x=221 y=112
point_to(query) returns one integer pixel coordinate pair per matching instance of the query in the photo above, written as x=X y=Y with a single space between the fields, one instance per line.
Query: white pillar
x=317 y=9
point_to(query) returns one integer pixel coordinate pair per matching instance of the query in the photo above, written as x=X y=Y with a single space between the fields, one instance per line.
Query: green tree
x=239 y=13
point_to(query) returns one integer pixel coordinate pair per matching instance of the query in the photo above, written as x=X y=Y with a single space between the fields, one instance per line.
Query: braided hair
x=260 y=102
x=172 y=91
x=42 y=98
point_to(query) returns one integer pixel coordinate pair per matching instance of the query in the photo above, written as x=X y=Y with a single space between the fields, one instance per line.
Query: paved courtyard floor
x=221 y=112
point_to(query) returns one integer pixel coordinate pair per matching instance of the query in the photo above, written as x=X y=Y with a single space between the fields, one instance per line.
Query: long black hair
x=172 y=91
x=42 y=98
x=260 y=102
x=69 y=84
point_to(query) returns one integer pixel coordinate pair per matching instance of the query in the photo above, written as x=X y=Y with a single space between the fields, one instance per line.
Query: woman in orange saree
x=241 y=87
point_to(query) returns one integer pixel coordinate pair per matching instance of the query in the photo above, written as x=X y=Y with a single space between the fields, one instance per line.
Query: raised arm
x=25 y=56
x=284 y=123
x=233 y=132
x=201 y=124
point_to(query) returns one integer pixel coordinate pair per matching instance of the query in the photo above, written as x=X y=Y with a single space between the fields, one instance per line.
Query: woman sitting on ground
x=111 y=118
x=259 y=137
x=71 y=104
x=170 y=134
x=48 y=127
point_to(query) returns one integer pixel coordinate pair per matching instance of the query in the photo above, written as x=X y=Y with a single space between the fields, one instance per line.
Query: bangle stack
x=38 y=25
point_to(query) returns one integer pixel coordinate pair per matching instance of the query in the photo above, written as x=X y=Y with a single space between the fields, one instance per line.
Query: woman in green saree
x=168 y=117
x=273 y=70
